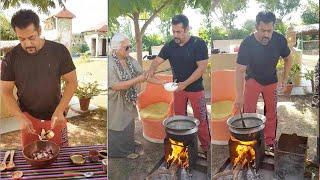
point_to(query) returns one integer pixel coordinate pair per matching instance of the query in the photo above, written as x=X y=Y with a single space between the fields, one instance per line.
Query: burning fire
x=179 y=155
x=245 y=153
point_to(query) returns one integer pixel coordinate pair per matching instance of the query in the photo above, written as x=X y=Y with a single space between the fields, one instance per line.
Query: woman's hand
x=141 y=78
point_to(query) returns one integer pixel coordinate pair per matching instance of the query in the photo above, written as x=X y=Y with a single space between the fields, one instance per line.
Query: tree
x=311 y=14
x=143 y=12
x=42 y=5
x=228 y=11
x=219 y=33
x=151 y=40
x=6 y=32
x=249 y=25
x=280 y=7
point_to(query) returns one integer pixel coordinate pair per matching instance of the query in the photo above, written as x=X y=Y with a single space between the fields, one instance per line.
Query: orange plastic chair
x=153 y=130
x=223 y=89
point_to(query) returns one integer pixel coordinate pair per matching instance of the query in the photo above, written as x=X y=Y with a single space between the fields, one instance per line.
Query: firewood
x=236 y=172
x=164 y=174
x=222 y=174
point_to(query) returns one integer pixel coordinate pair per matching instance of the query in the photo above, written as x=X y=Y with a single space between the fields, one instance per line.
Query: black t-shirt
x=261 y=60
x=183 y=60
x=37 y=77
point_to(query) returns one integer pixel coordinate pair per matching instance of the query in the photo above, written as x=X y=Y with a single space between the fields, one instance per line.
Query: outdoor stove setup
x=247 y=156
x=181 y=158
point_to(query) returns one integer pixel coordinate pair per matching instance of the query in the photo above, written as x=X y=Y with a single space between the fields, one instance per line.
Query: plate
x=171 y=86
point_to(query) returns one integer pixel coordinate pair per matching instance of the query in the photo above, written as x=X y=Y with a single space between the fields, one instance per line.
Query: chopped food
x=17 y=175
x=43 y=154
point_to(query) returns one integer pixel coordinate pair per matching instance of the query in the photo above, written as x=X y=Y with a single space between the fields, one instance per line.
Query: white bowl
x=171 y=86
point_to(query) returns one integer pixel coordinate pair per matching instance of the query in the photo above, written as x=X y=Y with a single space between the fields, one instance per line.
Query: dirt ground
x=86 y=129
x=136 y=169
x=295 y=115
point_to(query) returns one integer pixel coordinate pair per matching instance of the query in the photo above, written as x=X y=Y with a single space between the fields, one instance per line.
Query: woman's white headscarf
x=116 y=41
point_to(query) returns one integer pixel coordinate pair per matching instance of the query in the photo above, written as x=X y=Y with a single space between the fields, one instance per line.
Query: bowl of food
x=78 y=159
x=41 y=153
x=171 y=86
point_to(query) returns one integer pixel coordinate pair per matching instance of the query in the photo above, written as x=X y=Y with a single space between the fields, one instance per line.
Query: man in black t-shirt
x=36 y=67
x=256 y=65
x=188 y=57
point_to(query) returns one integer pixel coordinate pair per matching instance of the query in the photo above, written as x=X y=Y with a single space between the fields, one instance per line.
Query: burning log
x=236 y=172
x=179 y=155
x=164 y=174
x=222 y=174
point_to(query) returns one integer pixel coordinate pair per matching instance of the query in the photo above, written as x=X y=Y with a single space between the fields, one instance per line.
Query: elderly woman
x=124 y=74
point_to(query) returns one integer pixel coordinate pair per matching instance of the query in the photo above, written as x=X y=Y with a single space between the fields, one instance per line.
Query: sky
x=196 y=18
x=92 y=12
x=88 y=13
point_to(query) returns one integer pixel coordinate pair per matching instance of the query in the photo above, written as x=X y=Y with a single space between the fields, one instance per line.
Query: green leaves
x=281 y=7
x=42 y=5
x=226 y=11
x=88 y=90
x=311 y=14
x=6 y=32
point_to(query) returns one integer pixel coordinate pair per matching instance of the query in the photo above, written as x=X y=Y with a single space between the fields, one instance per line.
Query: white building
x=96 y=39
x=59 y=27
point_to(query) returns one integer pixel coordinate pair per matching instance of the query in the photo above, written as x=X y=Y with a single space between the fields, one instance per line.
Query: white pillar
x=97 y=45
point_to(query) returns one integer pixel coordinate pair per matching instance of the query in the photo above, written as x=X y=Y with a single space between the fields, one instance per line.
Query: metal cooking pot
x=181 y=125
x=254 y=122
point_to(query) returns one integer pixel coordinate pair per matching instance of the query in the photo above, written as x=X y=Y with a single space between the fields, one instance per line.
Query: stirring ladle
x=242 y=121
x=11 y=164
x=3 y=165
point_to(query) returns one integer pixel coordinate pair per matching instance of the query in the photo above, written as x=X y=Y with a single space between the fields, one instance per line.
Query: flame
x=245 y=153
x=179 y=154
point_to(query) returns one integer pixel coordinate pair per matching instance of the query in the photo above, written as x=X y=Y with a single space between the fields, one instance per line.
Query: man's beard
x=177 y=40
x=31 y=50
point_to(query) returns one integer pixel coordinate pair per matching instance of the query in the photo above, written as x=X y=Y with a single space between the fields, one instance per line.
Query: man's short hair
x=177 y=19
x=23 y=18
x=266 y=17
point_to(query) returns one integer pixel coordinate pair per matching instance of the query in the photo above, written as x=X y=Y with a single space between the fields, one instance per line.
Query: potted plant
x=293 y=75
x=309 y=76
x=85 y=92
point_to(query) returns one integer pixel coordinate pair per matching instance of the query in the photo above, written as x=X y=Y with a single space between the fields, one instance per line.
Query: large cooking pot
x=254 y=125
x=181 y=125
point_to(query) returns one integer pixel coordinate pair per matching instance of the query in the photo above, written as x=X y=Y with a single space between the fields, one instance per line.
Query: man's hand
x=149 y=73
x=181 y=86
x=239 y=102
x=26 y=124
x=57 y=118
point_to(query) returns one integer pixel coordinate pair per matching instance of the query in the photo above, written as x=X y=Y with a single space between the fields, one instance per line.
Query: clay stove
x=180 y=150
x=247 y=154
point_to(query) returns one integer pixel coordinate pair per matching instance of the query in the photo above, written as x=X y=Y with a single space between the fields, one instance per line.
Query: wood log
x=222 y=174
x=236 y=172
x=164 y=174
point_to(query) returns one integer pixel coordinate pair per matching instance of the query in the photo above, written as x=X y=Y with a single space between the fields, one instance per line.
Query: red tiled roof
x=102 y=27
x=64 y=13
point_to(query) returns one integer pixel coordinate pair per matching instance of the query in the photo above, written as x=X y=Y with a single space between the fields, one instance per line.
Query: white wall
x=88 y=38
x=227 y=45
x=155 y=50
x=51 y=35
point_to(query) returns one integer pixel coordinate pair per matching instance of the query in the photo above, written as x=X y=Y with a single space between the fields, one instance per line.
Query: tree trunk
x=137 y=36
x=139 y=33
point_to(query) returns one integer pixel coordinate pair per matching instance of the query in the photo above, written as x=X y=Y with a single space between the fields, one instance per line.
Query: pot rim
x=246 y=130
x=183 y=131
x=180 y=118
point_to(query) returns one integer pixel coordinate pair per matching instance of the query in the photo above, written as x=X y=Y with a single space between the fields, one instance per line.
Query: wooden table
x=61 y=169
